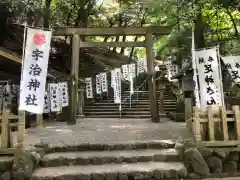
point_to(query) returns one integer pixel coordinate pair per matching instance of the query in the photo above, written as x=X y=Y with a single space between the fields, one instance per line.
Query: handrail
x=136 y=90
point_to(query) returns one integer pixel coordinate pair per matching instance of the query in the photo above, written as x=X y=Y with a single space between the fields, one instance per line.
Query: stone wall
x=20 y=168
x=212 y=162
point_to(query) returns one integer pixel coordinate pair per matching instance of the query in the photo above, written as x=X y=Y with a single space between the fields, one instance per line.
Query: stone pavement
x=90 y=130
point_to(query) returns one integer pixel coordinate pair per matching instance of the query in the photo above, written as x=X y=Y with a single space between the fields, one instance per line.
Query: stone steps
x=145 y=116
x=143 y=160
x=143 y=171
x=140 y=106
x=109 y=157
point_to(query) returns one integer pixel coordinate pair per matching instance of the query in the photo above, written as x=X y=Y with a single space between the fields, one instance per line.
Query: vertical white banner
x=54 y=97
x=232 y=63
x=140 y=66
x=46 y=107
x=125 y=72
x=112 y=78
x=195 y=74
x=34 y=70
x=64 y=93
x=117 y=89
x=98 y=84
x=104 y=82
x=132 y=75
x=209 y=77
x=132 y=70
x=89 y=88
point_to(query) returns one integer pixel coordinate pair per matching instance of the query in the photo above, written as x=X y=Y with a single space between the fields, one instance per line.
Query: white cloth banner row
x=57 y=98
x=128 y=73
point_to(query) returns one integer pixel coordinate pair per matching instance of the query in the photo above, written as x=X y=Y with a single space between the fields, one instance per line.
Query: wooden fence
x=219 y=128
x=11 y=122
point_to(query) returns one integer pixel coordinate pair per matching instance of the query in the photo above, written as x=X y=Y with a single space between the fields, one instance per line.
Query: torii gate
x=148 y=32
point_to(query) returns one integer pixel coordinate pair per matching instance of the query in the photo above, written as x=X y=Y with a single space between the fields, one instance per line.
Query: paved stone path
x=90 y=130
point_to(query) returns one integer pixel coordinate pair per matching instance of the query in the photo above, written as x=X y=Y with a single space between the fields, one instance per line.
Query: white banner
x=34 y=71
x=46 y=108
x=104 y=82
x=98 y=84
x=125 y=72
x=89 y=88
x=132 y=68
x=112 y=78
x=132 y=75
x=140 y=66
x=117 y=89
x=195 y=79
x=54 y=98
x=232 y=63
x=208 y=68
x=64 y=93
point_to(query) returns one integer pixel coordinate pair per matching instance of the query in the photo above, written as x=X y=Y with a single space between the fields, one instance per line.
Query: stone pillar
x=152 y=79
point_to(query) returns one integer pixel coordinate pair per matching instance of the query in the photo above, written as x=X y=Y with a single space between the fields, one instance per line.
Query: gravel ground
x=90 y=130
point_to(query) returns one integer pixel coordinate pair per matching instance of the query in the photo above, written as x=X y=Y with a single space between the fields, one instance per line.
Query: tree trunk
x=47 y=13
x=199 y=31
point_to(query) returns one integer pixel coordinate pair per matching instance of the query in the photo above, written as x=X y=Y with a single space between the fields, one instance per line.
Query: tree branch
x=233 y=22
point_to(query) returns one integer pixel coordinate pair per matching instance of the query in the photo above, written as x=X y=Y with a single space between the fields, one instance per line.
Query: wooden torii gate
x=148 y=32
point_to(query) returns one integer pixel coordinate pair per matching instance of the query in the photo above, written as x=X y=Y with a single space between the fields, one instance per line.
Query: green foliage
x=220 y=20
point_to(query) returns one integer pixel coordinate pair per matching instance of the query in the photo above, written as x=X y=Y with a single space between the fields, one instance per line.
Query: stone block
x=98 y=176
x=194 y=160
x=233 y=156
x=230 y=167
x=111 y=176
x=221 y=153
x=206 y=152
x=215 y=164
x=122 y=176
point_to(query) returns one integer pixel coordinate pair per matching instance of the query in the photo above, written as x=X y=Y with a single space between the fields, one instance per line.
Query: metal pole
x=120 y=110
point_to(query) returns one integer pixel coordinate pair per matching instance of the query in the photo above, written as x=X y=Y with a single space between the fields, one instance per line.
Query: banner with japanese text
x=63 y=86
x=195 y=75
x=112 y=78
x=132 y=75
x=46 y=107
x=125 y=72
x=141 y=66
x=232 y=63
x=34 y=70
x=208 y=69
x=104 y=82
x=117 y=86
x=55 y=97
x=89 y=88
x=98 y=84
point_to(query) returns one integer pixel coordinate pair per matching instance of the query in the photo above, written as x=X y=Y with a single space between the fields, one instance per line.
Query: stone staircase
x=143 y=160
x=140 y=106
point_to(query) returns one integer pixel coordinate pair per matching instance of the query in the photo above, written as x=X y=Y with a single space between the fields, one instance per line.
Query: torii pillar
x=73 y=82
x=152 y=79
